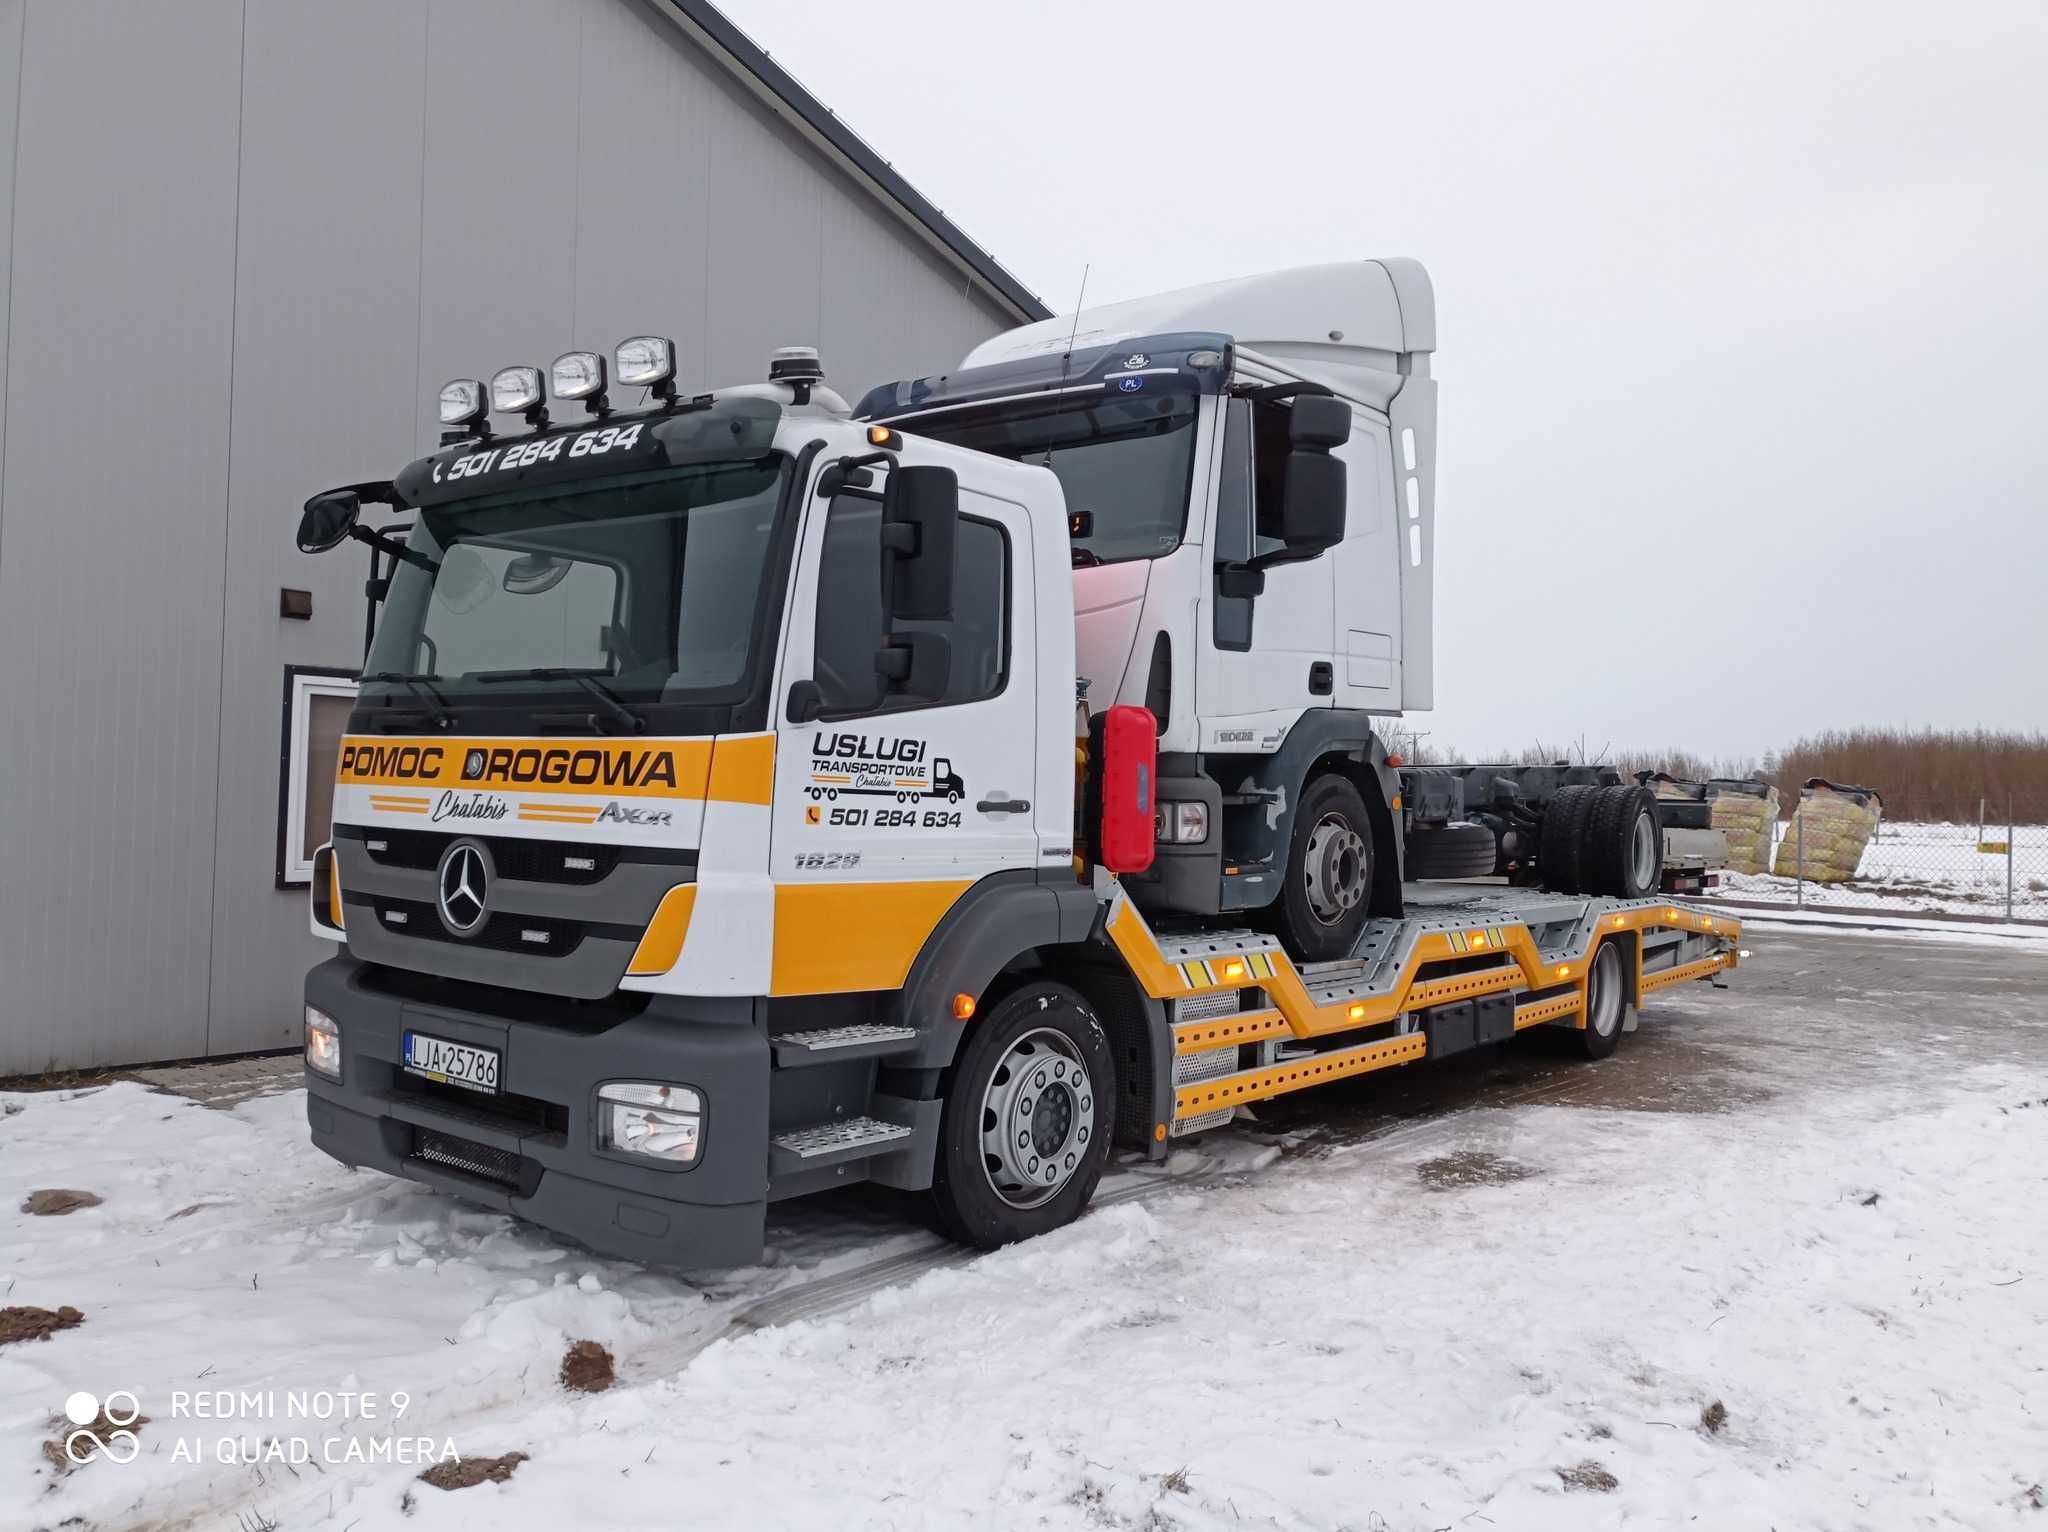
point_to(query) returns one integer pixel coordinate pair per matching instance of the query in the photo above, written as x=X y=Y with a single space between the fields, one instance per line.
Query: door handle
x=1004 y=805
x=1321 y=675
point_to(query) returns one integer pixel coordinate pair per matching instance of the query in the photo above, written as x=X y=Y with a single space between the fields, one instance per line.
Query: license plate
x=436 y=1058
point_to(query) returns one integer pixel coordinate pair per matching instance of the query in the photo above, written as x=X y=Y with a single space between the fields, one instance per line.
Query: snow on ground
x=1432 y=1326
x=1914 y=867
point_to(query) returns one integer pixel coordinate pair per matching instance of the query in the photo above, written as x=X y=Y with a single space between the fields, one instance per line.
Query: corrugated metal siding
x=245 y=251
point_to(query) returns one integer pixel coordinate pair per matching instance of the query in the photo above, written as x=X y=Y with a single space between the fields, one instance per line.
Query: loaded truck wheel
x=1451 y=851
x=1562 y=839
x=1606 y=1000
x=1623 y=850
x=1030 y=1110
x=1325 y=894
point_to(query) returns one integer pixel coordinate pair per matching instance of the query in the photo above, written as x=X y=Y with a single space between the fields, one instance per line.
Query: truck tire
x=1606 y=1006
x=1623 y=850
x=1562 y=839
x=1326 y=892
x=1030 y=1111
x=1459 y=850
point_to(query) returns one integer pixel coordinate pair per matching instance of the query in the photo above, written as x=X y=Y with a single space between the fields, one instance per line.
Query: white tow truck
x=718 y=822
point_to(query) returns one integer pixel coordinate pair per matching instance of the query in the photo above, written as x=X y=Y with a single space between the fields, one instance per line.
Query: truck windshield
x=1126 y=460
x=648 y=585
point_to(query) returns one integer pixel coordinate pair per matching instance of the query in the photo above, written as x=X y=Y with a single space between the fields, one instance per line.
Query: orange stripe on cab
x=836 y=938
x=662 y=943
x=742 y=769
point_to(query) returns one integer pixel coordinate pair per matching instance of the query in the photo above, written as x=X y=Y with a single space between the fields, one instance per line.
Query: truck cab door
x=888 y=807
x=1270 y=655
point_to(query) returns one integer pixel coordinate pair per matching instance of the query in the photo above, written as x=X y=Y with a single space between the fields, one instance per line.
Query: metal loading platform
x=1469 y=965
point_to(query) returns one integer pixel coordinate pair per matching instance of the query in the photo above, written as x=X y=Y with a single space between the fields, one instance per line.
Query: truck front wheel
x=1326 y=894
x=1030 y=1110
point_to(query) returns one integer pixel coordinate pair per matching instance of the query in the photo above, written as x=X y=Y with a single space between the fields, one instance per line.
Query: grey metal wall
x=241 y=245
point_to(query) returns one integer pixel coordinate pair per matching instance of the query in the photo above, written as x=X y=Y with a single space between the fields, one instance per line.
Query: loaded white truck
x=748 y=795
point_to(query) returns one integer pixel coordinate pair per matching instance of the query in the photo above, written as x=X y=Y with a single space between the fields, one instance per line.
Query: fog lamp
x=661 y=1122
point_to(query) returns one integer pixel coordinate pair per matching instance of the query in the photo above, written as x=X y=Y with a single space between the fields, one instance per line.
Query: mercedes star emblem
x=462 y=883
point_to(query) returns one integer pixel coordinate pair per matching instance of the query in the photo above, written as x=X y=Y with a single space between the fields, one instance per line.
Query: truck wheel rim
x=1334 y=868
x=1603 y=997
x=1037 y=1116
x=1642 y=852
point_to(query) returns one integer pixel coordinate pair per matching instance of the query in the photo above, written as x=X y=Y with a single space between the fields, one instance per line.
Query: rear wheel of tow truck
x=1623 y=851
x=1606 y=1003
x=1326 y=893
x=1561 y=843
x=1030 y=1109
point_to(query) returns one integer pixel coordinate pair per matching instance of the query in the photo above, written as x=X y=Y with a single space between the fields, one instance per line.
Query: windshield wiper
x=421 y=686
x=611 y=705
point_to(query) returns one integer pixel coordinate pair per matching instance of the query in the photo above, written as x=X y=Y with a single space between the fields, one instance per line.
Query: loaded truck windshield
x=1124 y=460
x=648 y=585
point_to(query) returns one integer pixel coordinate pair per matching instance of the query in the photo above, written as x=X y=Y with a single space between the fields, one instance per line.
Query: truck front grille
x=534 y=935
x=528 y=861
x=471 y=1159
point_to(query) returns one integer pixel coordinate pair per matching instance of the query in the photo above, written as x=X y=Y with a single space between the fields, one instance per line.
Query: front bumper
x=532 y=1149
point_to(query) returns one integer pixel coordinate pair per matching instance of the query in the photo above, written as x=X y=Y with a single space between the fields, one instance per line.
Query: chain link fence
x=1992 y=868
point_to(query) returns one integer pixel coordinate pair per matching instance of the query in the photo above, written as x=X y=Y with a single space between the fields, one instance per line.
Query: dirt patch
x=473 y=1471
x=24 y=1322
x=105 y=1440
x=54 y=1201
x=1714 y=1418
x=587 y=1368
x=1589 y=1475
x=1471 y=1167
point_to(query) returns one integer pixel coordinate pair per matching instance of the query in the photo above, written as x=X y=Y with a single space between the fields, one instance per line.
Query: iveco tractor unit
x=748 y=795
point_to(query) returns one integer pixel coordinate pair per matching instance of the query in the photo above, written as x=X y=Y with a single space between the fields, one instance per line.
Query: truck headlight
x=662 y=1122
x=1180 y=824
x=323 y=1044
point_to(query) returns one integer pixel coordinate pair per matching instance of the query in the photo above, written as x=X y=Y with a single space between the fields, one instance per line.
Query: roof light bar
x=647 y=361
x=516 y=390
x=581 y=375
x=462 y=402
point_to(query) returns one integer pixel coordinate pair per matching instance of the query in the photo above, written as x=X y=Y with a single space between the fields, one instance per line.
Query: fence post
x=1799 y=853
x=2011 y=838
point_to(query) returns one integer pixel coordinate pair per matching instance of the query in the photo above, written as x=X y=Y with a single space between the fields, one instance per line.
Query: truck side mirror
x=328 y=519
x=920 y=529
x=916 y=664
x=1312 y=501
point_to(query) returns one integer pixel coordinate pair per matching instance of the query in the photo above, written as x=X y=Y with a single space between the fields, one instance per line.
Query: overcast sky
x=1742 y=309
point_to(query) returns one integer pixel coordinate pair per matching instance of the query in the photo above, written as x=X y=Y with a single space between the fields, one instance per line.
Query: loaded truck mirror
x=328 y=519
x=918 y=665
x=1312 y=503
x=920 y=522
x=1319 y=421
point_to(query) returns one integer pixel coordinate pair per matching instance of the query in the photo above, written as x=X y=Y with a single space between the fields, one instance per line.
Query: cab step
x=829 y=1143
x=832 y=1045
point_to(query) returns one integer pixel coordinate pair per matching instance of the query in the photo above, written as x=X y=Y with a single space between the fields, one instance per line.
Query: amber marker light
x=963 y=1007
